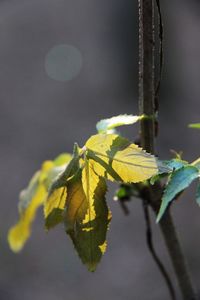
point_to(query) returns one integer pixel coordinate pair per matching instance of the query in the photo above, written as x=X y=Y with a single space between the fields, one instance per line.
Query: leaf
x=56 y=199
x=157 y=177
x=194 y=125
x=62 y=159
x=196 y=163
x=118 y=160
x=166 y=167
x=105 y=125
x=30 y=200
x=54 y=206
x=87 y=216
x=178 y=182
x=198 y=194
x=175 y=163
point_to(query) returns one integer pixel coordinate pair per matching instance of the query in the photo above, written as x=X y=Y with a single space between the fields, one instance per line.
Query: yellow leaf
x=54 y=206
x=87 y=216
x=19 y=233
x=90 y=181
x=117 y=159
x=31 y=199
x=56 y=199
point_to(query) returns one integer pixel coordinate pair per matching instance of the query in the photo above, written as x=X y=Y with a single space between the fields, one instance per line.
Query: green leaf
x=194 y=125
x=198 y=194
x=106 y=125
x=175 y=163
x=166 y=167
x=179 y=181
x=116 y=159
x=87 y=216
x=157 y=177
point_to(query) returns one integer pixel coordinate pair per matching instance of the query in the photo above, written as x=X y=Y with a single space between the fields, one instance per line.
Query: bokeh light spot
x=63 y=62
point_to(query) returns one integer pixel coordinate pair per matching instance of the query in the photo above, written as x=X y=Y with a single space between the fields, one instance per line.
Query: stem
x=147 y=136
x=177 y=257
x=146 y=73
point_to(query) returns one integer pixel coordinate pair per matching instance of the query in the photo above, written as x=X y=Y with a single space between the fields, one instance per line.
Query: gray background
x=41 y=117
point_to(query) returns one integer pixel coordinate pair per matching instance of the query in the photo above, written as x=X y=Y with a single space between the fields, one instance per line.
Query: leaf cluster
x=72 y=188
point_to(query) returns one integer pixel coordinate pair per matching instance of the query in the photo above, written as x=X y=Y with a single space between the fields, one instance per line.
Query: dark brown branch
x=147 y=133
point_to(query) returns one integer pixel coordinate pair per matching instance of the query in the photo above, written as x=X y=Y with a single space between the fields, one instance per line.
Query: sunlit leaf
x=87 y=216
x=117 y=159
x=56 y=199
x=31 y=199
x=62 y=159
x=105 y=125
x=178 y=182
x=196 y=163
x=54 y=206
x=195 y=125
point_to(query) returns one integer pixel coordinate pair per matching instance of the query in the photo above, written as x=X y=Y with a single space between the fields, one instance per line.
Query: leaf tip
x=16 y=240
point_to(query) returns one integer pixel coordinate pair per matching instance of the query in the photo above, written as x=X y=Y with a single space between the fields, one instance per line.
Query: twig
x=152 y=250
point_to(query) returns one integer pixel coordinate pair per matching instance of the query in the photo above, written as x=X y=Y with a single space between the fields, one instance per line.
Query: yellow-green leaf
x=54 y=206
x=117 y=159
x=56 y=199
x=87 y=216
x=31 y=199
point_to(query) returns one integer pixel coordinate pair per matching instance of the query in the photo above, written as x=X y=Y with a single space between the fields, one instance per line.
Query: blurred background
x=43 y=111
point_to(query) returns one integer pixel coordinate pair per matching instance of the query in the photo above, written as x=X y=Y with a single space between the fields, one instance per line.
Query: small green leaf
x=175 y=163
x=125 y=191
x=157 y=177
x=198 y=194
x=194 y=125
x=179 y=181
x=105 y=125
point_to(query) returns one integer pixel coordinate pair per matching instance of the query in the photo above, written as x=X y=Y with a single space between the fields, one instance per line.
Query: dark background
x=41 y=117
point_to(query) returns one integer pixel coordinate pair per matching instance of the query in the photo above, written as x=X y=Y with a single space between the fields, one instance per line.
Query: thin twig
x=149 y=239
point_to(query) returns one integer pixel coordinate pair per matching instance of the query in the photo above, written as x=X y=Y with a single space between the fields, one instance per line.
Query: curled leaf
x=105 y=125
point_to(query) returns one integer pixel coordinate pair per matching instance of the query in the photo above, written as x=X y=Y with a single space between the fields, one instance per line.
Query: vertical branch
x=146 y=73
x=147 y=133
